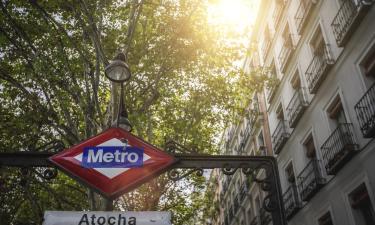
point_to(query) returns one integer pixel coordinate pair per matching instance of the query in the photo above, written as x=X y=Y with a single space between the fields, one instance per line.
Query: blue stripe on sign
x=112 y=157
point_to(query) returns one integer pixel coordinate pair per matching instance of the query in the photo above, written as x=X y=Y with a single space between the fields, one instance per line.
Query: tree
x=52 y=87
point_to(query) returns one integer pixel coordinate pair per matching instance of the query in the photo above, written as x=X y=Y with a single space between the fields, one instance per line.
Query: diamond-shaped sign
x=113 y=181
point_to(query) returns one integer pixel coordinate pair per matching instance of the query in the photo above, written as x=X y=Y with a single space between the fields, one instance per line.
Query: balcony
x=279 y=137
x=296 y=107
x=255 y=221
x=365 y=110
x=292 y=202
x=348 y=19
x=339 y=148
x=302 y=14
x=310 y=180
x=318 y=68
x=264 y=216
x=285 y=55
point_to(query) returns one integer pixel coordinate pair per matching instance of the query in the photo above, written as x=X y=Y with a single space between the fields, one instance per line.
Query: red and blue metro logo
x=113 y=162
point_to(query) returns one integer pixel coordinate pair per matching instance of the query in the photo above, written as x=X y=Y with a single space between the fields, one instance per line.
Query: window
x=369 y=65
x=273 y=69
x=276 y=15
x=296 y=81
x=287 y=38
x=360 y=202
x=317 y=43
x=260 y=139
x=280 y=112
x=320 y=63
x=336 y=112
x=326 y=219
x=310 y=147
x=266 y=42
x=289 y=172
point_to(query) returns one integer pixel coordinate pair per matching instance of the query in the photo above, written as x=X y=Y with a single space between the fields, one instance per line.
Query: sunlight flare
x=238 y=14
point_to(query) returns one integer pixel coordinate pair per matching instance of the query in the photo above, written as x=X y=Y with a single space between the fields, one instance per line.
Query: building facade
x=317 y=114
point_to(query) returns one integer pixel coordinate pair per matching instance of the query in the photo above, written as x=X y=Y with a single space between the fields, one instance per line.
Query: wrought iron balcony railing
x=339 y=148
x=348 y=18
x=280 y=136
x=296 y=107
x=264 y=216
x=302 y=13
x=285 y=55
x=365 y=110
x=255 y=221
x=318 y=68
x=310 y=180
x=292 y=202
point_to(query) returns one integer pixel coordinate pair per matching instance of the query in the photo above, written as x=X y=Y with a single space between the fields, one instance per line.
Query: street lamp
x=118 y=71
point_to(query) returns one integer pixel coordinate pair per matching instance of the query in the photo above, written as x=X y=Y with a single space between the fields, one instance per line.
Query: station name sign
x=106 y=218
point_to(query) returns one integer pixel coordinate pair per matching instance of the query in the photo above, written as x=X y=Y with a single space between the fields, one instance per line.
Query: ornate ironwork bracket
x=249 y=165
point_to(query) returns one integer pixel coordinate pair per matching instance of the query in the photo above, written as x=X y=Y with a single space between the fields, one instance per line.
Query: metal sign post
x=173 y=160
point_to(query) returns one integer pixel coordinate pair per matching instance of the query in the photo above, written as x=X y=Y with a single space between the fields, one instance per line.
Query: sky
x=236 y=16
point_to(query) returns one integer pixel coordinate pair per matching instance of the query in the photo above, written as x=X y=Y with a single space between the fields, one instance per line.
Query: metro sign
x=113 y=162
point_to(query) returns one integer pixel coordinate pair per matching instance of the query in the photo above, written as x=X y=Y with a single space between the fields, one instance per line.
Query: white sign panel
x=106 y=218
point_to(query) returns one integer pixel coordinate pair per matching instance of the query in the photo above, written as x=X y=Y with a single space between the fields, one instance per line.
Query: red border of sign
x=159 y=162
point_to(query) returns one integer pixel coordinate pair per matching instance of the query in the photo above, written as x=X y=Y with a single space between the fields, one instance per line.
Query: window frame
x=332 y=98
x=322 y=212
x=350 y=187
